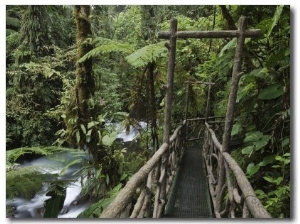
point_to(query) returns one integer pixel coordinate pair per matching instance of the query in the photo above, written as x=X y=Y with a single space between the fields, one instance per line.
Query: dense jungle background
x=76 y=76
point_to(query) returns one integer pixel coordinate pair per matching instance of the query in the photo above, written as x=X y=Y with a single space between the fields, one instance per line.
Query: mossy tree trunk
x=148 y=27
x=84 y=79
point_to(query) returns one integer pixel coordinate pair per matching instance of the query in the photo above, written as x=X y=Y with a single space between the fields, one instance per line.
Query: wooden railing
x=241 y=200
x=153 y=180
x=195 y=127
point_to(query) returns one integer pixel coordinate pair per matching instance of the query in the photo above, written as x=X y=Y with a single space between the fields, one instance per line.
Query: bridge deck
x=190 y=196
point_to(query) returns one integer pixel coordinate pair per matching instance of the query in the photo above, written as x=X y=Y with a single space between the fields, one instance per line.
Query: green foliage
x=41 y=89
x=96 y=209
x=14 y=154
x=55 y=203
x=24 y=182
x=271 y=92
x=104 y=46
x=147 y=54
x=275 y=19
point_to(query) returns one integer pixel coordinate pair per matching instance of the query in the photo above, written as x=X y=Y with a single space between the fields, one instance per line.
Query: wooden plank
x=210 y=34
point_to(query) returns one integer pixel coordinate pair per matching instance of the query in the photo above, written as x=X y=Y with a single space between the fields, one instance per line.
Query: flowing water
x=33 y=208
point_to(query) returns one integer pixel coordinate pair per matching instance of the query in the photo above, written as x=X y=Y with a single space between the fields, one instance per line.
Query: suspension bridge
x=192 y=174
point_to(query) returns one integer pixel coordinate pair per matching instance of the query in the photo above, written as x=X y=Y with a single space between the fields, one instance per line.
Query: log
x=214 y=138
x=210 y=34
x=145 y=206
x=138 y=205
x=236 y=196
x=245 y=211
x=125 y=195
x=253 y=203
x=170 y=77
x=236 y=75
x=212 y=191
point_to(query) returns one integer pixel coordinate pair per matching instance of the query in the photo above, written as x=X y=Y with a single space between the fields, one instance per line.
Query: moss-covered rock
x=24 y=182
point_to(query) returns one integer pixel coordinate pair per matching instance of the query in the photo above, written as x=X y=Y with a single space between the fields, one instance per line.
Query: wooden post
x=186 y=109
x=241 y=34
x=208 y=102
x=210 y=34
x=230 y=107
x=236 y=75
x=171 y=67
x=186 y=100
x=162 y=194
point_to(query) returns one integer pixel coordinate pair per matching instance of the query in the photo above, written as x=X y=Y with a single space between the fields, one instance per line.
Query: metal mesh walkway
x=190 y=196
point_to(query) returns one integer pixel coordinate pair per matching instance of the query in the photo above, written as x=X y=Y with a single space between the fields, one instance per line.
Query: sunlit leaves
x=236 y=129
x=231 y=45
x=108 y=140
x=147 y=54
x=107 y=47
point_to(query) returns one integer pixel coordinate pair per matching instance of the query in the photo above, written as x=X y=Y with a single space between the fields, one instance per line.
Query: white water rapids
x=33 y=208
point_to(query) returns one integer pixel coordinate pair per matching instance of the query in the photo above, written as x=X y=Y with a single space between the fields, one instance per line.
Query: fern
x=12 y=21
x=107 y=46
x=25 y=182
x=14 y=154
x=146 y=54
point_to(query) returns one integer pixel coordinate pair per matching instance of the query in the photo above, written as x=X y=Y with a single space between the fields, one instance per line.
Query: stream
x=33 y=208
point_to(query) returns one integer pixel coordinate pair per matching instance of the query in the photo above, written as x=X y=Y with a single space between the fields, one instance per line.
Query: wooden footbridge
x=192 y=175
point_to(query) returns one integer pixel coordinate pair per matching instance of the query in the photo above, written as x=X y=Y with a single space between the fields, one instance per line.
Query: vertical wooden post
x=186 y=100
x=208 y=102
x=161 y=200
x=171 y=68
x=236 y=75
x=187 y=93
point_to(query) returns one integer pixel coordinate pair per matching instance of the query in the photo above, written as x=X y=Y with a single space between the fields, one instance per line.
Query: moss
x=24 y=182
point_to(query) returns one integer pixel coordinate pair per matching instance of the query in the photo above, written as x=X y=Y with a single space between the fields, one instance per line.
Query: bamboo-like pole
x=208 y=102
x=210 y=34
x=236 y=75
x=186 y=101
x=170 y=78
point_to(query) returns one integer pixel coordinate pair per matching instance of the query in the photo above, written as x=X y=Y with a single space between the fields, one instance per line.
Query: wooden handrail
x=124 y=197
x=252 y=202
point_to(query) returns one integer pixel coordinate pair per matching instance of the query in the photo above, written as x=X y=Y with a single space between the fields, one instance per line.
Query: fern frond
x=108 y=46
x=25 y=182
x=14 y=154
x=12 y=21
x=146 y=54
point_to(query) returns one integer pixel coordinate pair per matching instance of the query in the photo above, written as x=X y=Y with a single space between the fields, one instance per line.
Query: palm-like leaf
x=146 y=54
x=104 y=45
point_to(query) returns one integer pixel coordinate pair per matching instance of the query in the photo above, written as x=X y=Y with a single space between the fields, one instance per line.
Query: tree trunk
x=84 y=79
x=229 y=20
